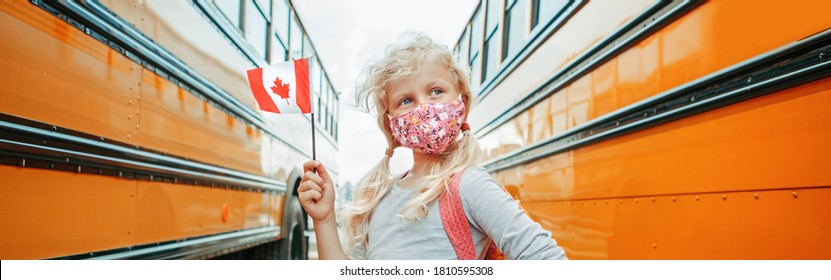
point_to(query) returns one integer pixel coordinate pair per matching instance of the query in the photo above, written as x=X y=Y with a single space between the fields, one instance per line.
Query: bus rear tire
x=294 y=244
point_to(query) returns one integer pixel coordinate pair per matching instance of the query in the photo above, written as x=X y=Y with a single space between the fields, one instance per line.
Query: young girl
x=421 y=95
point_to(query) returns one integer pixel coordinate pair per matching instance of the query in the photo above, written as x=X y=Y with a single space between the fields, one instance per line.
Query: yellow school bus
x=650 y=129
x=127 y=130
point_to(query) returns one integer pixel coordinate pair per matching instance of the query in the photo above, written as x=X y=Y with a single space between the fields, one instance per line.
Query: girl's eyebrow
x=436 y=83
x=396 y=96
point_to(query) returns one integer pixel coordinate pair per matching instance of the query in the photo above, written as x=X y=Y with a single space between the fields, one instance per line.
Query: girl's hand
x=317 y=193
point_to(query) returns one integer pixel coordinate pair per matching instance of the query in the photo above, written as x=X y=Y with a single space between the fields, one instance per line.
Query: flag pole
x=314 y=156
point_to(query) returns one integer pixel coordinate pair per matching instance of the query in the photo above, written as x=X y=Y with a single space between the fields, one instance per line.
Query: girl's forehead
x=425 y=75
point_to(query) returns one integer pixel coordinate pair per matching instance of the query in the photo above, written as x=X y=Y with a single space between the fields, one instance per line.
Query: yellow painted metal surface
x=170 y=211
x=772 y=142
x=747 y=181
x=709 y=38
x=50 y=214
x=56 y=74
x=178 y=122
x=767 y=224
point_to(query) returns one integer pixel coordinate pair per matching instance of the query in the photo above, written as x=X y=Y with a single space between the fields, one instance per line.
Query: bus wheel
x=294 y=244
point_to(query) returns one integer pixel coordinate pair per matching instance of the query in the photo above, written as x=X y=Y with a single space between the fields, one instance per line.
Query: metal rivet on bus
x=724 y=197
x=653 y=199
x=55 y=128
x=78 y=169
x=138 y=112
x=128 y=232
x=102 y=138
x=654 y=246
x=138 y=97
x=756 y=195
x=151 y=177
x=120 y=174
x=129 y=117
x=130 y=102
x=128 y=136
x=67 y=159
x=621 y=201
x=137 y=126
x=821 y=56
x=51 y=166
x=697 y=198
x=749 y=79
x=636 y=200
x=794 y=194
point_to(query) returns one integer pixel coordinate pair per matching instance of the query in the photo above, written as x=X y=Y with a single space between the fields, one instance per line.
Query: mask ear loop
x=389 y=152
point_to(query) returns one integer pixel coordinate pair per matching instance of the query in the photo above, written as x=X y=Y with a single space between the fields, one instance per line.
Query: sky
x=348 y=34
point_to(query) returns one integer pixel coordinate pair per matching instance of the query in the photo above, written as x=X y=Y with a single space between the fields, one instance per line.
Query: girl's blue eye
x=435 y=92
x=405 y=102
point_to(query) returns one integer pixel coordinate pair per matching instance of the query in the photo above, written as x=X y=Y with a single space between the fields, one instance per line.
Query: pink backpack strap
x=454 y=220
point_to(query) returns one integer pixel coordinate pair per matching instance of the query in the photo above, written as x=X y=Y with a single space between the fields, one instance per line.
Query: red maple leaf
x=281 y=89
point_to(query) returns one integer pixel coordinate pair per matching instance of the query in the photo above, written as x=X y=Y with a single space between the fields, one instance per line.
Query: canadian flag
x=282 y=88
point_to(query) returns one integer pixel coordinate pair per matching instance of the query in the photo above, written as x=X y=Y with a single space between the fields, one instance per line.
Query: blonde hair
x=400 y=61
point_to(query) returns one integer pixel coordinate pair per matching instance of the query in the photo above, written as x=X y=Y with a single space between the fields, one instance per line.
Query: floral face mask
x=429 y=128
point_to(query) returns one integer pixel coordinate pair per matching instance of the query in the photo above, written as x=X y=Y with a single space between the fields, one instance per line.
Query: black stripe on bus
x=795 y=64
x=103 y=25
x=31 y=144
x=201 y=247
x=640 y=27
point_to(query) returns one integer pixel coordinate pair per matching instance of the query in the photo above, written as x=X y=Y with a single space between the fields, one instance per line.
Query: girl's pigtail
x=370 y=189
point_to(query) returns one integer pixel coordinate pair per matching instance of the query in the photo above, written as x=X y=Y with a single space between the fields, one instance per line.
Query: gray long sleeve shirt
x=490 y=212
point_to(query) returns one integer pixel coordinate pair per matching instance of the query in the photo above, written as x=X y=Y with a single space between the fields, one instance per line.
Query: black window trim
x=535 y=40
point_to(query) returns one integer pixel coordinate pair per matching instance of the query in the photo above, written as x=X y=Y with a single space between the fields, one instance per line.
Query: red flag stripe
x=301 y=75
x=255 y=80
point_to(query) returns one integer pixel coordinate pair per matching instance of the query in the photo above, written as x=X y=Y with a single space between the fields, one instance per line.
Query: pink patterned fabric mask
x=430 y=127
